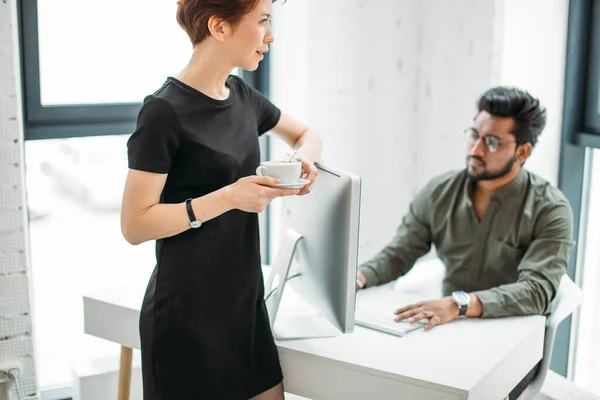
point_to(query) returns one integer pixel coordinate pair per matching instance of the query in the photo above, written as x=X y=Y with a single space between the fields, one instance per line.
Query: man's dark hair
x=529 y=116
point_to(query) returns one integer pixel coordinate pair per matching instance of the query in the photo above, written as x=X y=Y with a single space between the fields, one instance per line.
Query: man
x=503 y=233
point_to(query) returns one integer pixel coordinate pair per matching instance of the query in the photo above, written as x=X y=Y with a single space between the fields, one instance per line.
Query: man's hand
x=438 y=312
x=361 y=277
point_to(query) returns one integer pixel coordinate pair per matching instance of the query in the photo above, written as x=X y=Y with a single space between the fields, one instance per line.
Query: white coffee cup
x=288 y=172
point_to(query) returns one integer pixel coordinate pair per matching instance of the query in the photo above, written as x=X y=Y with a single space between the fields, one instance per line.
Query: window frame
x=63 y=121
x=592 y=106
x=80 y=120
x=577 y=135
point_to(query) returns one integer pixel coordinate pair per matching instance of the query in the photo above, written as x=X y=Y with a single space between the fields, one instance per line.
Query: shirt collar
x=513 y=188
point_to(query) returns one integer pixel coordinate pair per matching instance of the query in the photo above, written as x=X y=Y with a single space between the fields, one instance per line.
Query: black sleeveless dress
x=204 y=328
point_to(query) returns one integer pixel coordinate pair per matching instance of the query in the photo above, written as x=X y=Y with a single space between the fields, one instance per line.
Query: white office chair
x=567 y=300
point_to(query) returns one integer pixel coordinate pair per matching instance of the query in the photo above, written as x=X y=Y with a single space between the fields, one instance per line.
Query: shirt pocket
x=503 y=262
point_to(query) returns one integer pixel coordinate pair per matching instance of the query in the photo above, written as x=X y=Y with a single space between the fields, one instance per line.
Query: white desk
x=466 y=359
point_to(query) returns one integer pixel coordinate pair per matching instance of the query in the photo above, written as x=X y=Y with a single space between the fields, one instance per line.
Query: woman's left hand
x=309 y=171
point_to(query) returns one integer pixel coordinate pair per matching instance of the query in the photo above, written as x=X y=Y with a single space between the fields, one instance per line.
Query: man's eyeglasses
x=492 y=142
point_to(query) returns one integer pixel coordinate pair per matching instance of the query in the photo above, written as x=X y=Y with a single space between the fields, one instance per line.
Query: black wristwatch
x=194 y=223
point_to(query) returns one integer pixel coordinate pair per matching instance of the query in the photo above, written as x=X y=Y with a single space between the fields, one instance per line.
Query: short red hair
x=193 y=15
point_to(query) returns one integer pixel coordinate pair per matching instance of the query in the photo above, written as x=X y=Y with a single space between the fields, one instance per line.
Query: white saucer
x=298 y=185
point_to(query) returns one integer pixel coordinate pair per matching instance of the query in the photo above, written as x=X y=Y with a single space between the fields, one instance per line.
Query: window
x=74 y=194
x=87 y=66
x=579 y=174
x=125 y=49
x=587 y=362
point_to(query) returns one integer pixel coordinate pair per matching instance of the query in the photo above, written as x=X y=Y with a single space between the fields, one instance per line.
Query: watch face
x=461 y=298
x=195 y=224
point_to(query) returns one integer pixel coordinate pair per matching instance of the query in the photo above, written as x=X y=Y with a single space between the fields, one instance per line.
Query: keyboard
x=384 y=322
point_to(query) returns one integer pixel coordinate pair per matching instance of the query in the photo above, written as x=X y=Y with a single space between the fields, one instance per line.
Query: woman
x=204 y=328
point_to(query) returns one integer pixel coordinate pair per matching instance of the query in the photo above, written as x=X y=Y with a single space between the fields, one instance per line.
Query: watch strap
x=194 y=223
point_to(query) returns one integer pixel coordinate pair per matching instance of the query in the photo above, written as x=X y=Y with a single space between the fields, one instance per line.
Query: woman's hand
x=309 y=171
x=252 y=194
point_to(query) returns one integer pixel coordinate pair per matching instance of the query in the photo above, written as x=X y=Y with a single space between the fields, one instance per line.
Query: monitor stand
x=291 y=327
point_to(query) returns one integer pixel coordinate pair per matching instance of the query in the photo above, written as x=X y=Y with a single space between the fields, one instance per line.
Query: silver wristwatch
x=462 y=300
x=359 y=283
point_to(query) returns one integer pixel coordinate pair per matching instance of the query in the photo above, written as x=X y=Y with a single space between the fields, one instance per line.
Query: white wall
x=15 y=311
x=361 y=93
x=327 y=70
x=455 y=65
x=391 y=85
x=532 y=42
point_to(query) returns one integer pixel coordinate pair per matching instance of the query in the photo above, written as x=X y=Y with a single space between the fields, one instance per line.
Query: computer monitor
x=318 y=257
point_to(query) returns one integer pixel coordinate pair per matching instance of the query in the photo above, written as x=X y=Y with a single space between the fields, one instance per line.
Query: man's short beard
x=489 y=176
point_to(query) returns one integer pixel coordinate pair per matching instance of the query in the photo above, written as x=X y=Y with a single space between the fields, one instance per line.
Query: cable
x=14 y=375
x=276 y=287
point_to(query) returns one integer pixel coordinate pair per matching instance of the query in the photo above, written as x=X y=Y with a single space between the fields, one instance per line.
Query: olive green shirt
x=513 y=259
